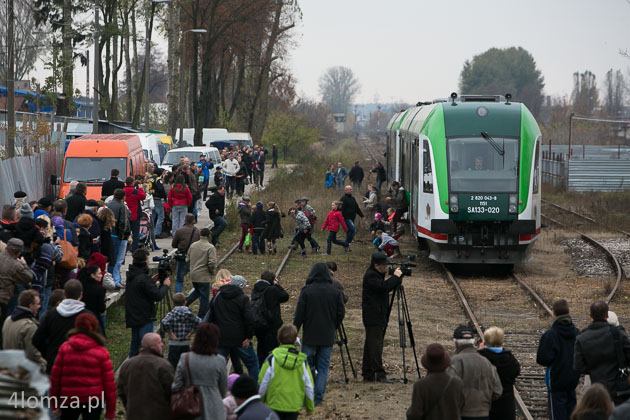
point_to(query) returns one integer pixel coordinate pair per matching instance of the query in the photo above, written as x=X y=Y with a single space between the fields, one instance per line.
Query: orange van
x=91 y=158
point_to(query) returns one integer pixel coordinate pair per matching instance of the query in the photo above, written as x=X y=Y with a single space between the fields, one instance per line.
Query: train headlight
x=513 y=204
x=454 y=203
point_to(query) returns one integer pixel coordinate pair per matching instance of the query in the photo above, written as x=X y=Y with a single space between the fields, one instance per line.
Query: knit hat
x=98 y=259
x=238 y=281
x=435 y=358
x=231 y=379
x=26 y=211
x=259 y=205
x=462 y=332
x=612 y=319
x=44 y=202
x=244 y=387
x=19 y=194
x=57 y=221
x=378 y=216
x=15 y=245
x=86 y=322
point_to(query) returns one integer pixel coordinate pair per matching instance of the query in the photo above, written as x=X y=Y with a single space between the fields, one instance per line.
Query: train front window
x=479 y=164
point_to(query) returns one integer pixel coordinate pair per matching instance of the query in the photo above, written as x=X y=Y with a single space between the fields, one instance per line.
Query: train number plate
x=482 y=207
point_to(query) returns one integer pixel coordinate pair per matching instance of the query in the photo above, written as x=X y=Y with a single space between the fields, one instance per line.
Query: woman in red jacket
x=179 y=198
x=83 y=374
x=134 y=195
x=333 y=221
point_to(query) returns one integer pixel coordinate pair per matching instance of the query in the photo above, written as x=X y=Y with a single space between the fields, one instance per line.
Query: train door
x=426 y=202
x=397 y=145
x=413 y=191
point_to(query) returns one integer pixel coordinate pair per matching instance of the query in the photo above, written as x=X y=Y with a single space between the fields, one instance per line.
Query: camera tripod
x=342 y=341
x=404 y=327
x=164 y=306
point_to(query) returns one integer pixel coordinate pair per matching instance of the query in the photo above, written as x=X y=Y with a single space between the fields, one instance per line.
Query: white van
x=192 y=153
x=242 y=139
x=150 y=146
x=209 y=136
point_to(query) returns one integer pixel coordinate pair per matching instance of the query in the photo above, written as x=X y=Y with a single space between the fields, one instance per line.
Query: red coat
x=132 y=199
x=179 y=197
x=83 y=369
x=333 y=221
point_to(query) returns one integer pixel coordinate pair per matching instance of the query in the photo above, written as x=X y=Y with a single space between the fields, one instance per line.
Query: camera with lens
x=164 y=265
x=404 y=267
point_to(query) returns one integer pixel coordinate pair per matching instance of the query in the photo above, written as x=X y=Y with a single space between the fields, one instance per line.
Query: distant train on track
x=471 y=169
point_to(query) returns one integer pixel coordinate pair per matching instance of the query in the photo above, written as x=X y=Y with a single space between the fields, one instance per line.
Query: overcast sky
x=411 y=50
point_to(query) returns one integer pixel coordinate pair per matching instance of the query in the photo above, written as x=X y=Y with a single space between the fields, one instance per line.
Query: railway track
x=530 y=391
x=610 y=256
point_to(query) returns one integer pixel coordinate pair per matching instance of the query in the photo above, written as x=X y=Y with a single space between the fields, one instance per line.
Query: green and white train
x=471 y=169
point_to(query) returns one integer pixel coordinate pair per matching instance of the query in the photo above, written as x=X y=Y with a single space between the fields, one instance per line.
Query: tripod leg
x=343 y=362
x=345 y=342
x=401 y=333
x=410 y=330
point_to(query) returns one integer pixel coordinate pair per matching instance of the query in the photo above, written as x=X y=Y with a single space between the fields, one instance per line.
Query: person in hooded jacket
x=286 y=382
x=231 y=310
x=555 y=352
x=257 y=222
x=93 y=292
x=374 y=306
x=320 y=310
x=19 y=328
x=508 y=368
x=52 y=331
x=140 y=297
x=83 y=371
x=272 y=294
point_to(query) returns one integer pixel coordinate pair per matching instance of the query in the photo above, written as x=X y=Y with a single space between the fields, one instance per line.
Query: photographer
x=375 y=306
x=183 y=238
x=140 y=298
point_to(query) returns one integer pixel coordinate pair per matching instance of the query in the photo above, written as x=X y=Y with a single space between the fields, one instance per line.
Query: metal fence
x=554 y=172
x=599 y=175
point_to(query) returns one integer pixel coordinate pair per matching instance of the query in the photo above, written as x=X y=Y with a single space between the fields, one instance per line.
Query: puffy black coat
x=141 y=295
x=274 y=295
x=232 y=312
x=110 y=186
x=320 y=308
x=596 y=355
x=375 y=302
x=508 y=369
x=356 y=174
x=555 y=351
x=26 y=230
x=350 y=208
x=273 y=227
x=76 y=206
x=258 y=220
x=216 y=202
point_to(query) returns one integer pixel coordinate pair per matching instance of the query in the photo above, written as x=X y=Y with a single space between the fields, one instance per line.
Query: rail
x=585 y=217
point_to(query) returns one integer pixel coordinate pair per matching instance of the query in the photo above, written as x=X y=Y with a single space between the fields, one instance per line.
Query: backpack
x=311 y=218
x=261 y=313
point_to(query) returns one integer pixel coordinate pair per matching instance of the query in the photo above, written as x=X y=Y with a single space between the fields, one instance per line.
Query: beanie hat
x=57 y=221
x=99 y=260
x=259 y=205
x=238 y=281
x=44 y=202
x=378 y=216
x=19 y=194
x=231 y=379
x=86 y=322
x=435 y=358
x=26 y=211
x=244 y=387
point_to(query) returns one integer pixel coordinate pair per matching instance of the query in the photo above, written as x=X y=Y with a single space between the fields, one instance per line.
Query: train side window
x=427 y=169
x=535 y=186
x=131 y=167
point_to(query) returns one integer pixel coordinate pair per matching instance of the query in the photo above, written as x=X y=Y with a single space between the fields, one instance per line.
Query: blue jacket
x=555 y=351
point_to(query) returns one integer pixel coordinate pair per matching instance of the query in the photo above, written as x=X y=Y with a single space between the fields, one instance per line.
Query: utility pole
x=97 y=63
x=10 y=80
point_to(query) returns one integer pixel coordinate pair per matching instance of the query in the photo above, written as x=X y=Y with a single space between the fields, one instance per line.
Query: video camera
x=164 y=265
x=404 y=267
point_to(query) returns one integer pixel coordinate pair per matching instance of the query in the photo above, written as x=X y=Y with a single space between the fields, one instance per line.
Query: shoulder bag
x=181 y=255
x=70 y=257
x=186 y=403
x=622 y=381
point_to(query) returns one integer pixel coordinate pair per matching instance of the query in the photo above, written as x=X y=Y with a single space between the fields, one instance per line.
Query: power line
x=602 y=120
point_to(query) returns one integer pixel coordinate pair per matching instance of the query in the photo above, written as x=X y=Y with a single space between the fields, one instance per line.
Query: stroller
x=146 y=237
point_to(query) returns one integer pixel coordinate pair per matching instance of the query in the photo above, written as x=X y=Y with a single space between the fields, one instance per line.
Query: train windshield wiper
x=493 y=143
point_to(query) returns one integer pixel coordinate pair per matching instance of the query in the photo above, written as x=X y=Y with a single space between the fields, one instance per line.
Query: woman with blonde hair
x=508 y=369
x=222 y=278
x=595 y=404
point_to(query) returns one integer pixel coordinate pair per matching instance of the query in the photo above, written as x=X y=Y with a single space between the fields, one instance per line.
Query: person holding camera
x=375 y=305
x=183 y=238
x=140 y=297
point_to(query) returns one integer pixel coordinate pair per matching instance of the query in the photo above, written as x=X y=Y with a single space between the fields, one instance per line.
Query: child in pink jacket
x=333 y=221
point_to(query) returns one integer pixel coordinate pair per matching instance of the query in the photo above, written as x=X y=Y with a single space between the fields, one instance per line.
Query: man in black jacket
x=120 y=233
x=216 y=208
x=321 y=310
x=112 y=184
x=555 y=352
x=356 y=175
x=272 y=295
x=596 y=350
x=349 y=210
x=375 y=305
x=381 y=175
x=232 y=312
x=53 y=330
x=140 y=297
x=159 y=198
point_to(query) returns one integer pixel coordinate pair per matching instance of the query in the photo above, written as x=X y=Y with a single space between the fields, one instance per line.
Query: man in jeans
x=202 y=259
x=216 y=208
x=349 y=210
x=159 y=198
x=140 y=297
x=320 y=310
x=120 y=233
x=183 y=238
x=205 y=167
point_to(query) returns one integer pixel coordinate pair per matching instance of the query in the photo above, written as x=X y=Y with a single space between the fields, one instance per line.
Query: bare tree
x=338 y=86
x=616 y=90
x=585 y=96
